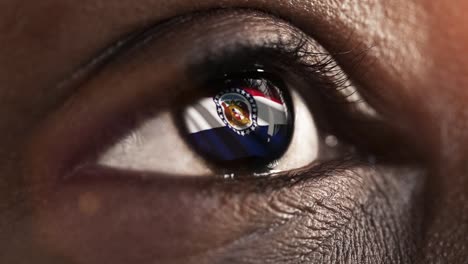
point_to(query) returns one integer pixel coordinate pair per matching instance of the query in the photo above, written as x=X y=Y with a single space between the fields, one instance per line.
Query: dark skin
x=414 y=72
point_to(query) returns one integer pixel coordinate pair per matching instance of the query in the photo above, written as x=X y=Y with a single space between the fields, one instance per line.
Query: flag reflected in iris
x=247 y=122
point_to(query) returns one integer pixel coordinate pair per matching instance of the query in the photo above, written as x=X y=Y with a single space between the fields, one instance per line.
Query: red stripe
x=255 y=92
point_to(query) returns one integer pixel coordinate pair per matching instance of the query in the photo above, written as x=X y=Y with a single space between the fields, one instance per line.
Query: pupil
x=246 y=123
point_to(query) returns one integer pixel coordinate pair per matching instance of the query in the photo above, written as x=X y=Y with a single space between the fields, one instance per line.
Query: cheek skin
x=318 y=219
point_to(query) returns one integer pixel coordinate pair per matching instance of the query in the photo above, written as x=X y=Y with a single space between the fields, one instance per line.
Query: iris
x=248 y=122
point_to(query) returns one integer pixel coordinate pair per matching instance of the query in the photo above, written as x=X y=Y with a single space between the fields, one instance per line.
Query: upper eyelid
x=145 y=36
x=269 y=32
x=142 y=36
x=129 y=48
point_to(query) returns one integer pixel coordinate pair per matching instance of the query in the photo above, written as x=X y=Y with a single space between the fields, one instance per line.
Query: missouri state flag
x=240 y=123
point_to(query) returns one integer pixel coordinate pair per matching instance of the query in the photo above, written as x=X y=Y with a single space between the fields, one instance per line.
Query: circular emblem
x=238 y=110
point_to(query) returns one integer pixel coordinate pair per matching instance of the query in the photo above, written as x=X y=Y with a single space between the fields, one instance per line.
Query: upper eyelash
x=323 y=71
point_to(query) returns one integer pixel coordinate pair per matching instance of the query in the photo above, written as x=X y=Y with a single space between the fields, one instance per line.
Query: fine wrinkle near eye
x=245 y=126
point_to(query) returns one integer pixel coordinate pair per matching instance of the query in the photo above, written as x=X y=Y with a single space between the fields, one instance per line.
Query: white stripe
x=203 y=115
x=270 y=112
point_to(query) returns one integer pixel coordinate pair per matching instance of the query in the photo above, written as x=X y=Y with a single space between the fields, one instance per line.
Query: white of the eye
x=156 y=146
x=304 y=146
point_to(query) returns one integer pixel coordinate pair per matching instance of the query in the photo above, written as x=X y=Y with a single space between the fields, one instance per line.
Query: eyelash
x=325 y=82
x=329 y=92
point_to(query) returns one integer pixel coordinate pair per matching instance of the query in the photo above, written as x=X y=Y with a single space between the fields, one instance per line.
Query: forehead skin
x=419 y=76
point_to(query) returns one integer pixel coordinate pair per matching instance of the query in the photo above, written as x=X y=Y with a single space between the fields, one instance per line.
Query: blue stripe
x=226 y=145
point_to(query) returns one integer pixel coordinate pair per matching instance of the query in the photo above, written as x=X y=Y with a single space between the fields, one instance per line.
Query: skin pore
x=413 y=72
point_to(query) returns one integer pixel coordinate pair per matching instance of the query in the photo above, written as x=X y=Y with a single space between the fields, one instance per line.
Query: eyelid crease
x=300 y=48
x=112 y=52
x=142 y=36
x=135 y=39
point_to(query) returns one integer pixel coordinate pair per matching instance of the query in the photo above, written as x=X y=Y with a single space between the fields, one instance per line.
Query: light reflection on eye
x=247 y=125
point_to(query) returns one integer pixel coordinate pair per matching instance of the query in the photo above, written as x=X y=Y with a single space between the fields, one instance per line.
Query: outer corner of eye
x=247 y=124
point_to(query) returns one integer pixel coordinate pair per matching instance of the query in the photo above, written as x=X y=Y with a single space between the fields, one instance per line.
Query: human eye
x=242 y=113
x=268 y=102
x=244 y=124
